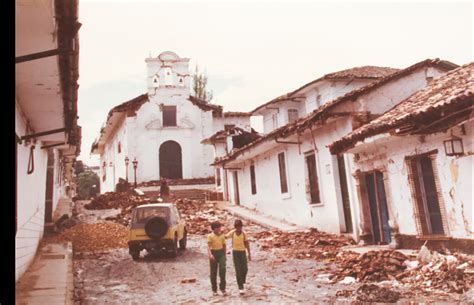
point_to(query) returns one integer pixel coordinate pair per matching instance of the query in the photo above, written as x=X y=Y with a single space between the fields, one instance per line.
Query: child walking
x=216 y=249
x=239 y=244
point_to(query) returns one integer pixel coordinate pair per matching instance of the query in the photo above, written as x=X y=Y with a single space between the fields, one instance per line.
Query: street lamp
x=135 y=164
x=126 y=168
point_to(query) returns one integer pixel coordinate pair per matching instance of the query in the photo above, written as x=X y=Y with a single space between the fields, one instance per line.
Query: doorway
x=378 y=207
x=236 y=188
x=425 y=192
x=170 y=160
x=344 y=193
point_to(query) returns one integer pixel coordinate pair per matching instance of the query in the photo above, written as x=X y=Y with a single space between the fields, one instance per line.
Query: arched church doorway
x=171 y=160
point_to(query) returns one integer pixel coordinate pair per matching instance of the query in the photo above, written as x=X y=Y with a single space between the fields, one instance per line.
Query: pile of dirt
x=94 y=237
x=374 y=293
x=311 y=244
x=373 y=266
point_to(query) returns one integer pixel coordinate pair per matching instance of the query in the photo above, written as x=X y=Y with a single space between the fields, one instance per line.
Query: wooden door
x=170 y=160
x=236 y=188
x=344 y=193
x=378 y=207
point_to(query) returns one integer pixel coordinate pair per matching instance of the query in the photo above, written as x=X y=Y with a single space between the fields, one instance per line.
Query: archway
x=170 y=160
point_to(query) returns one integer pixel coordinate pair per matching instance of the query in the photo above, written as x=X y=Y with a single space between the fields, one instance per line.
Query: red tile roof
x=365 y=72
x=322 y=112
x=450 y=95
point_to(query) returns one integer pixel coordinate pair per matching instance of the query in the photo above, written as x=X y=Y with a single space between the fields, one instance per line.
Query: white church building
x=162 y=129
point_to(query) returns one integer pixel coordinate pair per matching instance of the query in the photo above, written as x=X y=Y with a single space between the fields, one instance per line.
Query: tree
x=199 y=86
x=88 y=184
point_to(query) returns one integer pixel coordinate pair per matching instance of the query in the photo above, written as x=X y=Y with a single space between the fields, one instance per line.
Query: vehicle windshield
x=143 y=214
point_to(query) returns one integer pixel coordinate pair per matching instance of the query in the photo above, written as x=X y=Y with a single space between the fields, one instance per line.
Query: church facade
x=159 y=133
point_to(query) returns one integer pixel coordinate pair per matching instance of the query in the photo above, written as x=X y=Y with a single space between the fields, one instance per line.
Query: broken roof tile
x=447 y=95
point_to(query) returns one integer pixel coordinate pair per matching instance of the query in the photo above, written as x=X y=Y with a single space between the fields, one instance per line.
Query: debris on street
x=199 y=215
x=184 y=281
x=374 y=293
x=449 y=273
x=94 y=237
x=373 y=266
x=311 y=244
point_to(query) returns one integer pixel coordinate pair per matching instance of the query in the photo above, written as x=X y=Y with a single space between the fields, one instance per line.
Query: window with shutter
x=252 y=180
x=428 y=210
x=282 y=167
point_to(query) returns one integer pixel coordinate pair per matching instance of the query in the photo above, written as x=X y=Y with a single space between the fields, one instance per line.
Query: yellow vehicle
x=156 y=227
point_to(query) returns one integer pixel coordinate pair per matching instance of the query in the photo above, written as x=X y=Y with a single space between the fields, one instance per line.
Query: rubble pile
x=374 y=293
x=307 y=244
x=199 y=215
x=94 y=237
x=450 y=273
x=373 y=266
x=114 y=200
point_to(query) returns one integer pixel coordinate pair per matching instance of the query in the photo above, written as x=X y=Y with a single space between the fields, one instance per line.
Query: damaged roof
x=364 y=72
x=223 y=134
x=203 y=105
x=447 y=97
x=236 y=114
x=322 y=113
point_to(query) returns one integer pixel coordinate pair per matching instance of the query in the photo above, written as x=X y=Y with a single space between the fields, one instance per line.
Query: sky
x=254 y=51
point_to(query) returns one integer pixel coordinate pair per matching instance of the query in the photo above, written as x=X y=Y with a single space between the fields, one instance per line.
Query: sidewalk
x=49 y=279
x=259 y=218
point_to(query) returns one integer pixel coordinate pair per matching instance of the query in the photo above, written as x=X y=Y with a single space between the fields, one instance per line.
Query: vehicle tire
x=174 y=249
x=135 y=255
x=184 y=240
x=156 y=227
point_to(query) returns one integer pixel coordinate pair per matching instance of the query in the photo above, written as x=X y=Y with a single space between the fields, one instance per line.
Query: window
x=429 y=211
x=228 y=127
x=119 y=147
x=275 y=120
x=282 y=167
x=292 y=115
x=313 y=178
x=318 y=100
x=218 y=176
x=252 y=179
x=169 y=115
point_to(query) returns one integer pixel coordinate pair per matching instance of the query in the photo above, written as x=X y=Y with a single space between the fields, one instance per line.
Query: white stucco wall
x=295 y=206
x=329 y=90
x=390 y=94
x=30 y=199
x=454 y=173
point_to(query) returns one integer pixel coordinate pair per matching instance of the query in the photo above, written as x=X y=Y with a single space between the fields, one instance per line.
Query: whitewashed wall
x=30 y=197
x=455 y=176
x=295 y=206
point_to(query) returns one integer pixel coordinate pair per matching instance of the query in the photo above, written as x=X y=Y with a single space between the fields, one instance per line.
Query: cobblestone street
x=113 y=277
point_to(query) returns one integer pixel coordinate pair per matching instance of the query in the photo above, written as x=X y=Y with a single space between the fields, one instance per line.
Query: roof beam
x=38 y=55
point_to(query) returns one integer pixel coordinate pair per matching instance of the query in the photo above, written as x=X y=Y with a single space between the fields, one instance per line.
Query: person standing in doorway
x=240 y=243
x=217 y=257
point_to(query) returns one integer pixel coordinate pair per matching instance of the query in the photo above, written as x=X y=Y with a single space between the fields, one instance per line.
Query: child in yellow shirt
x=239 y=244
x=216 y=249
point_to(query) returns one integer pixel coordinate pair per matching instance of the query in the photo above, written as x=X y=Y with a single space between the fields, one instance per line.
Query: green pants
x=219 y=262
x=240 y=264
